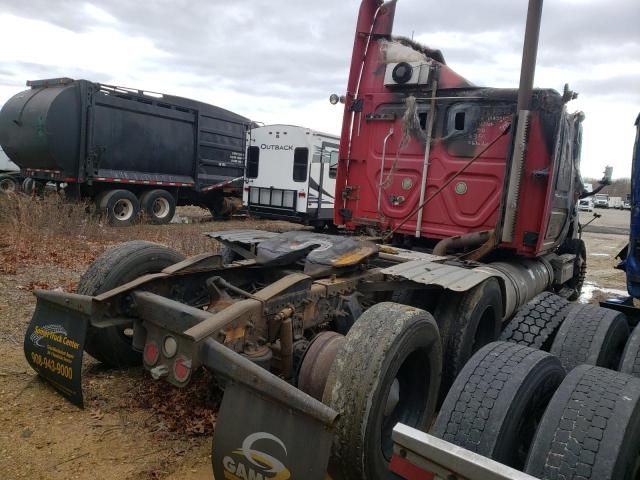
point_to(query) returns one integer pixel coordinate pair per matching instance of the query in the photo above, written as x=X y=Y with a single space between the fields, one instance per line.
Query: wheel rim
x=405 y=397
x=160 y=208
x=123 y=209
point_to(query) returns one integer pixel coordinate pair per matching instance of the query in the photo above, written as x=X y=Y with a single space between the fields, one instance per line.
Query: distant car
x=626 y=205
x=585 y=205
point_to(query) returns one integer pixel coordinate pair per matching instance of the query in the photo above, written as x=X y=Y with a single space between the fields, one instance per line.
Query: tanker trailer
x=128 y=150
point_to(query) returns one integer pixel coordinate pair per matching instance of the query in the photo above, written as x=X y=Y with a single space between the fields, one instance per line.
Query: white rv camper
x=9 y=174
x=290 y=174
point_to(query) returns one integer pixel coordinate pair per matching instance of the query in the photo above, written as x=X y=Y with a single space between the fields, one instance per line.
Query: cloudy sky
x=277 y=61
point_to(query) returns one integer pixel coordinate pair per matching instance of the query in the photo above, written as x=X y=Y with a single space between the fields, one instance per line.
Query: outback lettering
x=264 y=146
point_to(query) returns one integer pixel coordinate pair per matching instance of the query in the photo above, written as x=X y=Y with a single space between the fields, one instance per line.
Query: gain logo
x=251 y=464
x=45 y=332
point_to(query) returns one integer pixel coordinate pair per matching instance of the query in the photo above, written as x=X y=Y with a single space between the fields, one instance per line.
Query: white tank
x=7 y=165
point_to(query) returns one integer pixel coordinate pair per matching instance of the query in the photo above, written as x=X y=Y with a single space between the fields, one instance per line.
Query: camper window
x=300 y=164
x=253 y=159
x=333 y=164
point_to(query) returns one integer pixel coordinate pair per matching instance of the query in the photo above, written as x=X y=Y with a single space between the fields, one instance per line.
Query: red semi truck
x=428 y=155
x=334 y=350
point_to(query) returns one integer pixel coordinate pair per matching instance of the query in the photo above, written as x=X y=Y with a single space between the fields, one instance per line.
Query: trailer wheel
x=591 y=428
x=631 y=357
x=31 y=186
x=468 y=321
x=387 y=371
x=497 y=401
x=27 y=185
x=576 y=246
x=8 y=185
x=120 y=206
x=219 y=206
x=159 y=206
x=591 y=335
x=536 y=323
x=115 y=267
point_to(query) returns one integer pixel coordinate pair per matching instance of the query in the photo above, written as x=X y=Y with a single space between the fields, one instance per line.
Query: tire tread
x=536 y=323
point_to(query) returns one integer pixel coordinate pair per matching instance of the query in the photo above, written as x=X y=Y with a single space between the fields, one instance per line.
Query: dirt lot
x=130 y=428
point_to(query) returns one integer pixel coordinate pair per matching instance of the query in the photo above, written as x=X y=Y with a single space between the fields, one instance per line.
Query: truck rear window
x=253 y=160
x=300 y=164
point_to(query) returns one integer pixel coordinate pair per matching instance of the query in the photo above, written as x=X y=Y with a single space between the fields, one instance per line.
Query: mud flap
x=54 y=343
x=257 y=437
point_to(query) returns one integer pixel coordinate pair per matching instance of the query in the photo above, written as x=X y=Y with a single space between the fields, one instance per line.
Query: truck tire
x=8 y=185
x=468 y=321
x=591 y=335
x=159 y=206
x=497 y=401
x=577 y=247
x=536 y=323
x=591 y=428
x=631 y=357
x=219 y=206
x=115 y=267
x=120 y=206
x=387 y=370
x=32 y=187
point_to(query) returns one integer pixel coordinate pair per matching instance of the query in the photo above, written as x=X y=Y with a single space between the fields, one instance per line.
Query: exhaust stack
x=525 y=92
x=529 y=54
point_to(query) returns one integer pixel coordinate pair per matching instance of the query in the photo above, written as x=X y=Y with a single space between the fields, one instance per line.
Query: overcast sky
x=277 y=61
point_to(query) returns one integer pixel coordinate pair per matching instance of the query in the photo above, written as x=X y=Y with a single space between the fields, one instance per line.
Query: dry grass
x=51 y=231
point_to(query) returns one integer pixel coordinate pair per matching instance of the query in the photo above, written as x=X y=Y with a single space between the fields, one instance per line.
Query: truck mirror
x=608 y=174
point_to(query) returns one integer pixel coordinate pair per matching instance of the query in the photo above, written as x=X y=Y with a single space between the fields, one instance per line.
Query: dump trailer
x=131 y=151
x=291 y=174
x=10 y=178
x=325 y=343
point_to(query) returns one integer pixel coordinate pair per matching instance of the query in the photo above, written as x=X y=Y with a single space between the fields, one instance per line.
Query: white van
x=290 y=174
x=585 y=204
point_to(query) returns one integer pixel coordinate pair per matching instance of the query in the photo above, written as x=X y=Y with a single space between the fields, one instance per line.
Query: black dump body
x=80 y=131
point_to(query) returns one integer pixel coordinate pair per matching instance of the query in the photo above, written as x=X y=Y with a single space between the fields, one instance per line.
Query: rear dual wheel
x=497 y=401
x=536 y=323
x=387 y=371
x=590 y=429
x=159 y=206
x=117 y=266
x=591 y=335
x=122 y=207
x=631 y=357
x=8 y=185
x=468 y=321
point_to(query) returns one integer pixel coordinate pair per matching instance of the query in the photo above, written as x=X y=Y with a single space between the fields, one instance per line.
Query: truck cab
x=601 y=200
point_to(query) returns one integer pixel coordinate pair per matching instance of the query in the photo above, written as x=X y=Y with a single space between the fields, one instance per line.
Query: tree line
x=620 y=187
